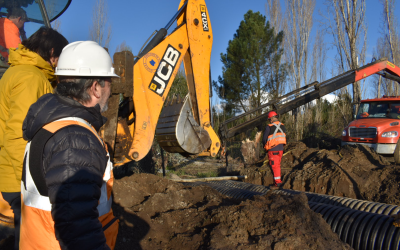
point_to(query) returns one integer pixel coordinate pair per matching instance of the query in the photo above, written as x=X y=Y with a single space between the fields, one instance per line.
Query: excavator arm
x=304 y=95
x=181 y=125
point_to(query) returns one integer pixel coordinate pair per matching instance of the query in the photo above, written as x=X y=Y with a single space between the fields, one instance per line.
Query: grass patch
x=207 y=174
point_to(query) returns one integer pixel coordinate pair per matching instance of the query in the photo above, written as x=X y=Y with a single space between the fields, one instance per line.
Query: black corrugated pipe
x=361 y=230
x=362 y=205
x=361 y=224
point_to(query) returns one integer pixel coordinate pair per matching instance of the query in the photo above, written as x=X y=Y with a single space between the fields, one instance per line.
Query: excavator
x=180 y=125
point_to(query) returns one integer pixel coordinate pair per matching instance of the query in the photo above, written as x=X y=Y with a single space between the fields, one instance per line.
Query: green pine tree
x=252 y=65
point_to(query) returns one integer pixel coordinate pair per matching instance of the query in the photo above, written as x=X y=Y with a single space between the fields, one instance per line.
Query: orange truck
x=377 y=126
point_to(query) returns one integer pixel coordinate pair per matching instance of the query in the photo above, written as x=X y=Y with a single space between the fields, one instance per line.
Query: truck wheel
x=397 y=153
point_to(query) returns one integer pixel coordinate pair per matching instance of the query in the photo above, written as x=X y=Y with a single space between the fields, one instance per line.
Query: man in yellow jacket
x=30 y=76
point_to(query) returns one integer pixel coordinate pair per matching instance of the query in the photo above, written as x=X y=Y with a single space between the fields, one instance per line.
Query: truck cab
x=377 y=125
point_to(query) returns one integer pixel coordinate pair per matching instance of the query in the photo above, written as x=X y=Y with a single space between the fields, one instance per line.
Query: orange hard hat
x=272 y=114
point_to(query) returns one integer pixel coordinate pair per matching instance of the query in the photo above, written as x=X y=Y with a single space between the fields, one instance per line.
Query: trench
x=361 y=224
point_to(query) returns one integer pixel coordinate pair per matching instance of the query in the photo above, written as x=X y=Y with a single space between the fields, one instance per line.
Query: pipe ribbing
x=362 y=205
x=369 y=227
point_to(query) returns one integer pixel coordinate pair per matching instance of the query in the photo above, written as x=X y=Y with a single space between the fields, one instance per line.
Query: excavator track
x=178 y=132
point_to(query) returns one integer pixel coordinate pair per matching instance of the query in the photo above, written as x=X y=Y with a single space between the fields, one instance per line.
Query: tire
x=397 y=153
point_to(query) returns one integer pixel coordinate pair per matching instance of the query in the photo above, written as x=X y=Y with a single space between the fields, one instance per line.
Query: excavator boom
x=305 y=95
x=184 y=126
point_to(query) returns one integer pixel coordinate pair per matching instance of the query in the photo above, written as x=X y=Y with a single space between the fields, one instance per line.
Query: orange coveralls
x=9 y=38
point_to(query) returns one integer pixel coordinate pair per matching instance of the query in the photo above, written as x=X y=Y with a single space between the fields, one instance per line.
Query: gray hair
x=76 y=87
x=17 y=12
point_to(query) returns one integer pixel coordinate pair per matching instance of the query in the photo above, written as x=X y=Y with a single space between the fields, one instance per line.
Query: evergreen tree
x=179 y=85
x=252 y=65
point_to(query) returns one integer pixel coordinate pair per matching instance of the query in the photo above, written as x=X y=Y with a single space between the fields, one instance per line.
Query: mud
x=156 y=213
x=351 y=171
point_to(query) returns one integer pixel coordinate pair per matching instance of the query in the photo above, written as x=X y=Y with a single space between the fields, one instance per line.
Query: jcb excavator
x=184 y=125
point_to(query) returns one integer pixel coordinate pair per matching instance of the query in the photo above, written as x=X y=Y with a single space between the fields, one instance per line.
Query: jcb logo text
x=162 y=75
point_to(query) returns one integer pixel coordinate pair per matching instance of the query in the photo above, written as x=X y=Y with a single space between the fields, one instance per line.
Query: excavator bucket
x=178 y=132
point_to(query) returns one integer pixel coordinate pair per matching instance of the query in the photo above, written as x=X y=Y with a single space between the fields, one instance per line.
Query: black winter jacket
x=74 y=162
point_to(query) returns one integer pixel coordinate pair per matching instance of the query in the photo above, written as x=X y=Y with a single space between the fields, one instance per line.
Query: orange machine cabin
x=377 y=125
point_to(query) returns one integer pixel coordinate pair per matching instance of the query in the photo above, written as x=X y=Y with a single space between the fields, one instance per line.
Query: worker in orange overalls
x=10 y=33
x=274 y=139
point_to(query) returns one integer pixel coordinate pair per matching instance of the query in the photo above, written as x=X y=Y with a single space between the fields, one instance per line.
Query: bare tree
x=99 y=31
x=391 y=35
x=319 y=56
x=297 y=29
x=56 y=24
x=51 y=11
x=274 y=14
x=388 y=87
x=123 y=47
x=349 y=31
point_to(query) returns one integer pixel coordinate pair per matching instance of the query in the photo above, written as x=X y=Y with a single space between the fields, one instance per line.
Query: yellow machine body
x=154 y=73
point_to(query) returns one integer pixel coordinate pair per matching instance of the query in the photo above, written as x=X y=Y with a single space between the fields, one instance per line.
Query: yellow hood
x=23 y=56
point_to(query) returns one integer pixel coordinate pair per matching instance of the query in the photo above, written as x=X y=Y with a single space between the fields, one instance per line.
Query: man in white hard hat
x=67 y=178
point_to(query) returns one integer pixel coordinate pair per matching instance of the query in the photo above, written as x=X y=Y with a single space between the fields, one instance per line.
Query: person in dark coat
x=67 y=176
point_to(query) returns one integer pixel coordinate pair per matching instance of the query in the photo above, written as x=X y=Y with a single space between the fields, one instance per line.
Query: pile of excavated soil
x=156 y=213
x=350 y=171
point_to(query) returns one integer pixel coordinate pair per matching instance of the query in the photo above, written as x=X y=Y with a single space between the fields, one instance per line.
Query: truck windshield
x=379 y=110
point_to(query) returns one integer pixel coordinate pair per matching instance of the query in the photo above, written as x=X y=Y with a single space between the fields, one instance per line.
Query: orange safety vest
x=278 y=137
x=9 y=38
x=37 y=225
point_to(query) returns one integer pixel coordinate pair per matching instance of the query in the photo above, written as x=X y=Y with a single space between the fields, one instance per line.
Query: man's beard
x=104 y=108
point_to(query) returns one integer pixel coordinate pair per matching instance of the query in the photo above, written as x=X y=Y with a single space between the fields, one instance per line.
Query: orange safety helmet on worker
x=276 y=135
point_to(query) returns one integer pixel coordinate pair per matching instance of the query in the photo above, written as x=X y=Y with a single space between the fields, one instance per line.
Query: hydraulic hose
x=361 y=224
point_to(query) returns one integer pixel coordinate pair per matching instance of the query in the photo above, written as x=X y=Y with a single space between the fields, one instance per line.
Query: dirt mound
x=352 y=171
x=156 y=213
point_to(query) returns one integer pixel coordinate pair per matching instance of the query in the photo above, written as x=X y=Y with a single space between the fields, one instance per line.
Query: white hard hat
x=85 y=58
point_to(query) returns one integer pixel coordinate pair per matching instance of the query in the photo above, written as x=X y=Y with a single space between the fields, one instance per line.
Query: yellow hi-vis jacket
x=276 y=136
x=27 y=79
x=37 y=225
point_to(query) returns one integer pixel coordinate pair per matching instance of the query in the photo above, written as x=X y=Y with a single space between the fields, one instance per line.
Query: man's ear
x=95 y=89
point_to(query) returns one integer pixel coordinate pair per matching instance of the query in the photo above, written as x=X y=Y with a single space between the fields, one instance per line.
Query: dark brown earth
x=351 y=171
x=156 y=213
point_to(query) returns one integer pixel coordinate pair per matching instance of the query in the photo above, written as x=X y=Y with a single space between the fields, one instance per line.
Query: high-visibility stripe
x=33 y=202
x=278 y=137
x=32 y=197
x=277 y=178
